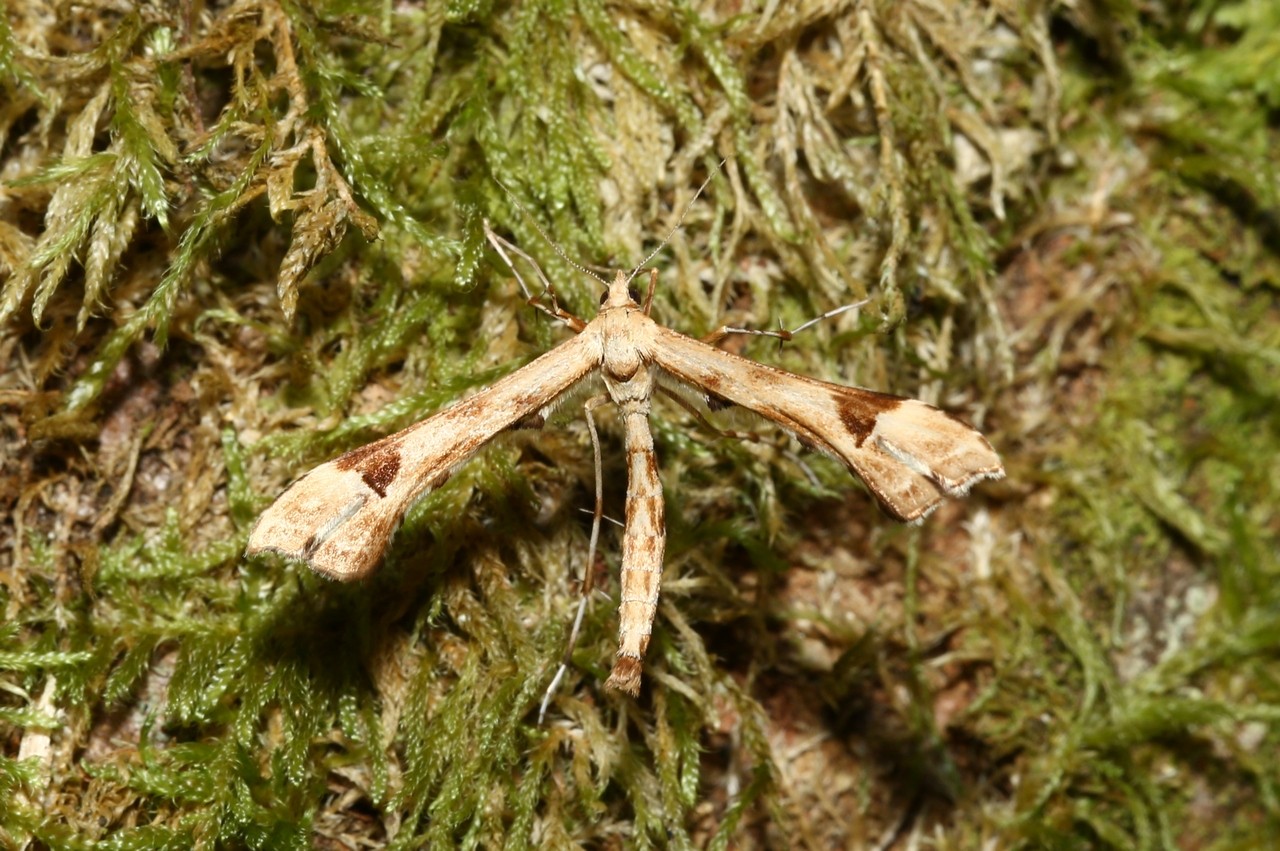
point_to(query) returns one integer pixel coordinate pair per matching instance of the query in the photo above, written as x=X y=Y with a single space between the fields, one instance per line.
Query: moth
x=339 y=518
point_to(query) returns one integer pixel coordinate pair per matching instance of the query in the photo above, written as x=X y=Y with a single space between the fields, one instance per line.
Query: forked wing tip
x=914 y=513
x=962 y=487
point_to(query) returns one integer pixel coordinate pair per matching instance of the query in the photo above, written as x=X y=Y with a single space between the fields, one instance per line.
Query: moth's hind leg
x=734 y=434
x=588 y=577
x=713 y=404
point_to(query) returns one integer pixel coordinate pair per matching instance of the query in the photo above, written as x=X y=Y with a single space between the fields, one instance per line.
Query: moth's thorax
x=624 y=333
x=626 y=354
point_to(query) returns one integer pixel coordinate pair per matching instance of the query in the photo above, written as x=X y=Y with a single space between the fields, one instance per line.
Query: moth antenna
x=555 y=245
x=678 y=224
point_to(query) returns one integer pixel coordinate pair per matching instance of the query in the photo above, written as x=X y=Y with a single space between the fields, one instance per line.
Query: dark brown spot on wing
x=716 y=402
x=355 y=457
x=378 y=464
x=711 y=383
x=858 y=411
x=808 y=443
x=533 y=422
x=380 y=476
x=528 y=401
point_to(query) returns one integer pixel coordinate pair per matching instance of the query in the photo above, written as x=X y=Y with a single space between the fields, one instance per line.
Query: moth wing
x=909 y=453
x=339 y=517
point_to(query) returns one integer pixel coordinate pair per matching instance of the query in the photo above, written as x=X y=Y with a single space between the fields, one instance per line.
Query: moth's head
x=619 y=293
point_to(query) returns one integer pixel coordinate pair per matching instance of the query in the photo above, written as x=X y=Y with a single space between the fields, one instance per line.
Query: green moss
x=236 y=244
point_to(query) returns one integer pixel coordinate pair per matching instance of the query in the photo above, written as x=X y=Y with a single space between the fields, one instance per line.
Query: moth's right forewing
x=910 y=454
x=339 y=518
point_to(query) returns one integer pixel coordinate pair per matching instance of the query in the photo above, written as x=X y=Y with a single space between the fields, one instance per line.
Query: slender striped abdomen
x=642 y=549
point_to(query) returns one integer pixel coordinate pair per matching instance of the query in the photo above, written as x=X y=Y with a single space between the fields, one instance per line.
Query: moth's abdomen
x=642 y=551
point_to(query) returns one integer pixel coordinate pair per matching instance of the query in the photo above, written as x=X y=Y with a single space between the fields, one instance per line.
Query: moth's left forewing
x=339 y=518
x=333 y=520
x=910 y=454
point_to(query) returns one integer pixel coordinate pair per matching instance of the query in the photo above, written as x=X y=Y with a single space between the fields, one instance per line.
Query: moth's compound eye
x=604 y=296
x=634 y=293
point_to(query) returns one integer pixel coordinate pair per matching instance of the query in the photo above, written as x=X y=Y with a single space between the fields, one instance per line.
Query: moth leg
x=782 y=335
x=706 y=423
x=588 y=578
x=554 y=310
x=732 y=434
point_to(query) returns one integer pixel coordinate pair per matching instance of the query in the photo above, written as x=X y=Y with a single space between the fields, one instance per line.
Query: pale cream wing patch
x=910 y=454
x=339 y=517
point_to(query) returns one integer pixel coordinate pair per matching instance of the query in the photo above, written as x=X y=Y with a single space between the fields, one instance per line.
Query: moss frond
x=239 y=240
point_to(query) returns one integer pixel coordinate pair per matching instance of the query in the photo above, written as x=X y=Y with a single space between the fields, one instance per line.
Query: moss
x=236 y=241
